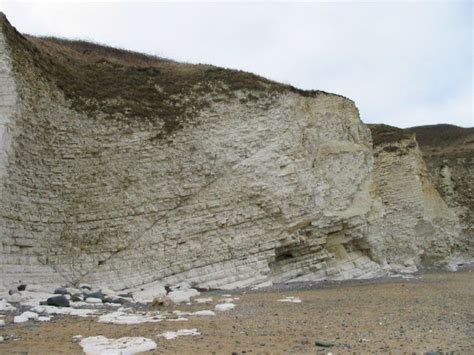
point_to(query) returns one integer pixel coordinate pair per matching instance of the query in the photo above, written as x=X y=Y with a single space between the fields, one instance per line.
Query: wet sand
x=432 y=313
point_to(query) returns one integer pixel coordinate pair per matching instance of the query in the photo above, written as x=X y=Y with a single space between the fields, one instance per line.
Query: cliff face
x=121 y=169
x=449 y=155
x=412 y=226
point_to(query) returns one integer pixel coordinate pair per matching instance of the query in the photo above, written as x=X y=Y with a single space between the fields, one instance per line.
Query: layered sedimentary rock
x=449 y=155
x=411 y=225
x=121 y=169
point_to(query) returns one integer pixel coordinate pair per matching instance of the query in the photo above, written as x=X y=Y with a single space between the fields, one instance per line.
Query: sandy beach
x=432 y=312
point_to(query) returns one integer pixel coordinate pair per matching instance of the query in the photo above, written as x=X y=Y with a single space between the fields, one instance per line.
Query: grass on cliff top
x=383 y=134
x=442 y=135
x=436 y=140
x=445 y=141
x=97 y=78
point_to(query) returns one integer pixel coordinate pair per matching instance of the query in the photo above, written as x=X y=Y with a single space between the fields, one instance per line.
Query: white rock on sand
x=181 y=332
x=28 y=298
x=224 y=307
x=204 y=313
x=100 y=345
x=182 y=296
x=290 y=299
x=5 y=306
x=149 y=293
x=203 y=300
x=15 y=297
x=65 y=310
x=120 y=317
x=93 y=300
x=108 y=292
x=25 y=316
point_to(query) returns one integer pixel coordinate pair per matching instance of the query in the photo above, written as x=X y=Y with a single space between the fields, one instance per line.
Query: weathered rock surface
x=119 y=170
x=410 y=224
x=449 y=155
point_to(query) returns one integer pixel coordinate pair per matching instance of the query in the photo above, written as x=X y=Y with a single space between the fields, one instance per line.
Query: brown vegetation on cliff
x=445 y=140
x=124 y=84
x=385 y=134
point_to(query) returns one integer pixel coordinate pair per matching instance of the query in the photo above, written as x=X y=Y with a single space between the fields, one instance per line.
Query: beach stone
x=60 y=291
x=108 y=292
x=115 y=299
x=5 y=306
x=25 y=316
x=14 y=296
x=76 y=338
x=150 y=293
x=324 y=343
x=95 y=294
x=12 y=292
x=58 y=301
x=93 y=300
x=222 y=307
x=77 y=297
x=182 y=296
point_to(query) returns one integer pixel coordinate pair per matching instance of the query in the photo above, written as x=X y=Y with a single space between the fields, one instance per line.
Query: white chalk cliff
x=119 y=169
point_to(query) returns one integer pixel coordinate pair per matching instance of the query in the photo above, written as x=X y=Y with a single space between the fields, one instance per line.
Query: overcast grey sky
x=404 y=63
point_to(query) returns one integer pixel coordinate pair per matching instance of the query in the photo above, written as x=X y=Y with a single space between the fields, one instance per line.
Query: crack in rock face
x=143 y=171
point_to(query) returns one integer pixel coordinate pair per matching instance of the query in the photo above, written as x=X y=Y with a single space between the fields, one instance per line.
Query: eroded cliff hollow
x=122 y=169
